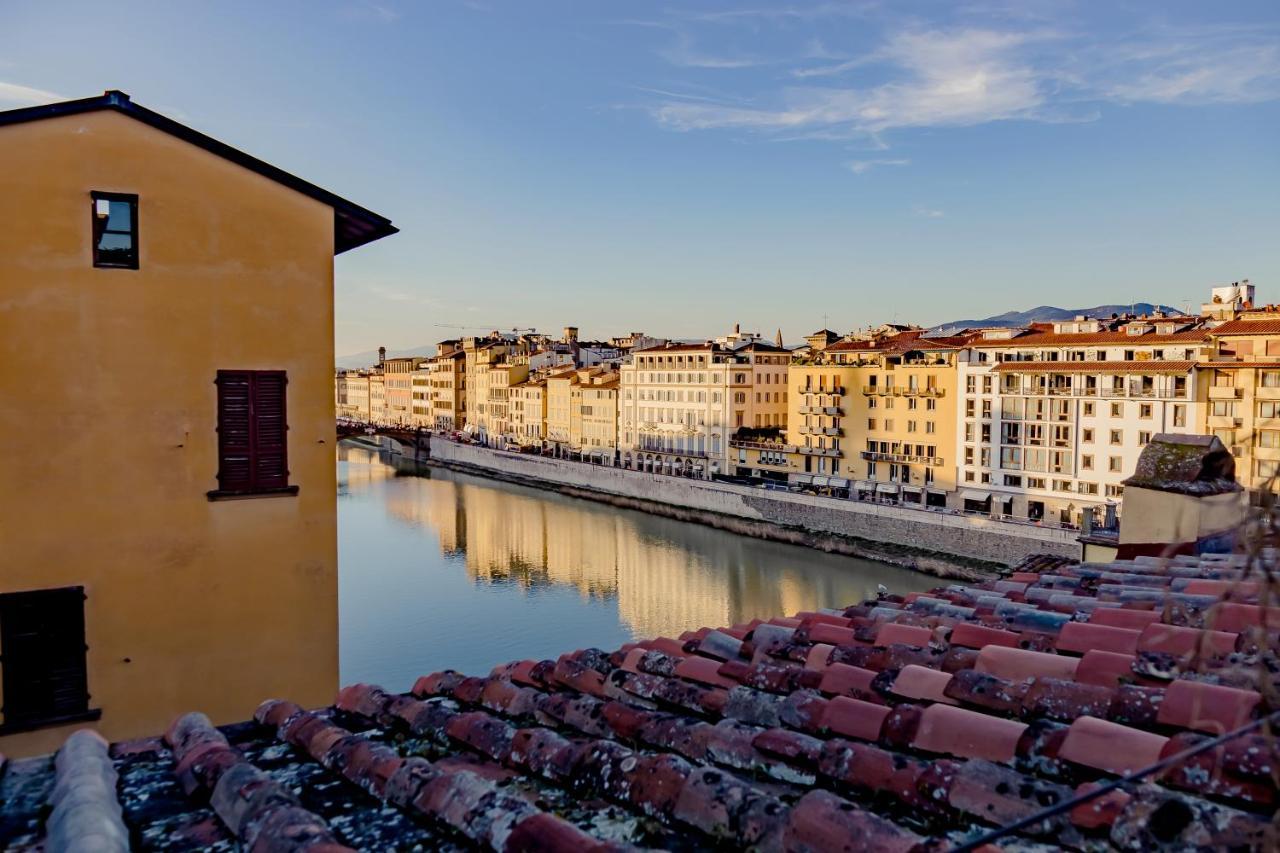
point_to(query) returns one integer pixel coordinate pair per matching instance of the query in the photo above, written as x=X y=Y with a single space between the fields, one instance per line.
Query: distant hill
x=370 y=358
x=1049 y=314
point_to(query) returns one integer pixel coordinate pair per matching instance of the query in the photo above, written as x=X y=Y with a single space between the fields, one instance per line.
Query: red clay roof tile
x=1109 y=746
x=1119 y=617
x=967 y=734
x=845 y=680
x=1177 y=640
x=1019 y=664
x=1105 y=669
x=854 y=718
x=907 y=635
x=1205 y=707
x=1084 y=637
x=977 y=636
x=920 y=682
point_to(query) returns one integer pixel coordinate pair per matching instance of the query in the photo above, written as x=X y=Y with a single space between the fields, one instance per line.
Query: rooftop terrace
x=921 y=722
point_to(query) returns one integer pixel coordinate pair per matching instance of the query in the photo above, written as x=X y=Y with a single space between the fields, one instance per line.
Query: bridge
x=415 y=440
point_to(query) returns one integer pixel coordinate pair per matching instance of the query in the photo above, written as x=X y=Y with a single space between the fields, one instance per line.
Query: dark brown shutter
x=270 y=430
x=235 y=430
x=42 y=655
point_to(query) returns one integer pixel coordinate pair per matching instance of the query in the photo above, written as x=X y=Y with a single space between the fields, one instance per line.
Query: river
x=439 y=569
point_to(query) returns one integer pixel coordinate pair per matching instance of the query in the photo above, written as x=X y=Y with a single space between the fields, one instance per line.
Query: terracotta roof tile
x=1247 y=327
x=979 y=705
x=1110 y=746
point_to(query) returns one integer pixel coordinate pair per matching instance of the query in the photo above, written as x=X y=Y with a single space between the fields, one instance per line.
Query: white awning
x=914 y=490
x=865 y=485
x=887 y=488
x=974 y=495
x=821 y=481
x=802 y=478
x=839 y=483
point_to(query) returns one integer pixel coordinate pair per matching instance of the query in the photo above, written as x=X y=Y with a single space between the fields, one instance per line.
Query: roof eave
x=353 y=225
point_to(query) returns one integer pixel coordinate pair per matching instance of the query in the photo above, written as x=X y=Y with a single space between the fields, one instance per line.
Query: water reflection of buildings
x=666 y=576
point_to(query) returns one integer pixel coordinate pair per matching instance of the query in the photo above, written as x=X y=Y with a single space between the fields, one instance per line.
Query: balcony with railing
x=776 y=447
x=1225 y=392
x=819 y=451
x=1079 y=389
x=901 y=458
x=1224 y=421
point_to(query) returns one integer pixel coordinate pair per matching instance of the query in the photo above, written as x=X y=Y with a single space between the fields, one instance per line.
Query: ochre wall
x=108 y=419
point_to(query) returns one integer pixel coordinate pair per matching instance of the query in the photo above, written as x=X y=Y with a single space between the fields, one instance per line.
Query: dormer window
x=115 y=230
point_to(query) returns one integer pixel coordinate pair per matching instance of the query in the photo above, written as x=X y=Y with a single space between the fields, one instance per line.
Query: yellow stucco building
x=599 y=421
x=1240 y=389
x=170 y=544
x=878 y=415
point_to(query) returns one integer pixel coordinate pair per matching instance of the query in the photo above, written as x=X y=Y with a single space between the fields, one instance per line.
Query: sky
x=678 y=167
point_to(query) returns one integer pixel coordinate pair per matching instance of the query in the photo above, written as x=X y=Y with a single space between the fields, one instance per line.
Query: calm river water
x=444 y=570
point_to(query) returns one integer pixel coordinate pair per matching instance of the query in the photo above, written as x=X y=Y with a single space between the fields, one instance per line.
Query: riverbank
x=944 y=545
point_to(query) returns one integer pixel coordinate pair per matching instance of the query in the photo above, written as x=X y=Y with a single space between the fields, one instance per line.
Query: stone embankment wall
x=940 y=543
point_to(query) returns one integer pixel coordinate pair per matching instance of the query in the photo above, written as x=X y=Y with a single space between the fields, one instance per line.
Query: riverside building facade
x=1055 y=415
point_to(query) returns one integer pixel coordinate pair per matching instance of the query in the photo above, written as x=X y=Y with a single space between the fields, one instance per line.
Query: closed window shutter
x=253 y=432
x=270 y=430
x=235 y=430
x=43 y=655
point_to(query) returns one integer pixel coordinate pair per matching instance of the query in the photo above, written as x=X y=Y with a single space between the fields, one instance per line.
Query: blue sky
x=678 y=167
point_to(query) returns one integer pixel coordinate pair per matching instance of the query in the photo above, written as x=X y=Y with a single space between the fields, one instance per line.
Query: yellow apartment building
x=498 y=382
x=398 y=376
x=529 y=412
x=877 y=416
x=1240 y=382
x=378 y=397
x=448 y=379
x=599 y=417
x=758 y=392
x=423 y=415
x=178 y=550
x=563 y=412
x=351 y=394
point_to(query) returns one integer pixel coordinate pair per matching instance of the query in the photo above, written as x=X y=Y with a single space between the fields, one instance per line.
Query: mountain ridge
x=1051 y=313
x=369 y=358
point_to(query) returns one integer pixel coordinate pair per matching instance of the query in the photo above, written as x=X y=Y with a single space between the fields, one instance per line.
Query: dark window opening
x=115 y=230
x=42 y=658
x=252 y=434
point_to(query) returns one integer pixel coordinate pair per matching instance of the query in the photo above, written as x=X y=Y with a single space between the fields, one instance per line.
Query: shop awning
x=865 y=485
x=974 y=495
x=821 y=481
x=913 y=490
x=887 y=488
x=803 y=479
x=839 y=483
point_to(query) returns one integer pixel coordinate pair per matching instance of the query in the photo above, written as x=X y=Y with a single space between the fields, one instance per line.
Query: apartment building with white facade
x=1053 y=416
x=673 y=410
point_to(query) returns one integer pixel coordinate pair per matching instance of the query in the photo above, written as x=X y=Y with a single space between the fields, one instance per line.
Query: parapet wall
x=786 y=516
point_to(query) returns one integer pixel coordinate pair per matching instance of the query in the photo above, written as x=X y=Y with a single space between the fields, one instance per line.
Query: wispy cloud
x=929 y=212
x=958 y=76
x=860 y=166
x=947 y=78
x=17 y=95
x=686 y=55
x=1216 y=66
